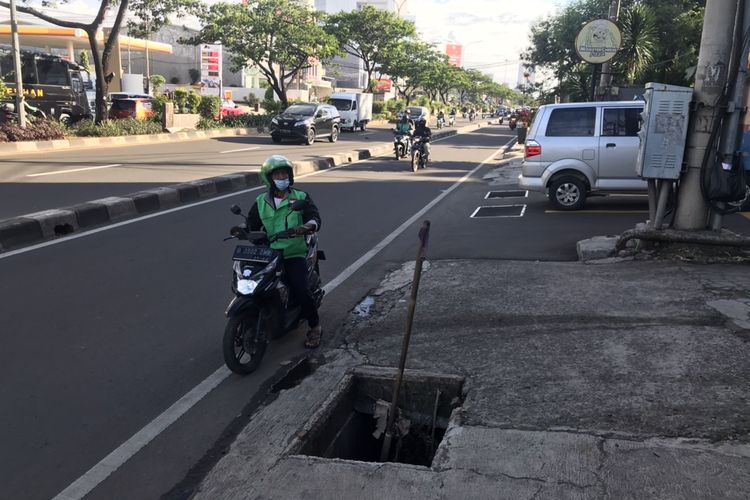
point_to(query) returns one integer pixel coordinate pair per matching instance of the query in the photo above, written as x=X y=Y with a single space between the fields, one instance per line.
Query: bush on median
x=40 y=129
x=239 y=121
x=112 y=128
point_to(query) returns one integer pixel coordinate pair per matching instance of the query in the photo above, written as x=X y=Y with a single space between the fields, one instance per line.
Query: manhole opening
x=349 y=429
x=515 y=193
x=499 y=211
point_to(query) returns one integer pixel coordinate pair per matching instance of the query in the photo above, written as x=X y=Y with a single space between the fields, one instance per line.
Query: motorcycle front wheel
x=416 y=159
x=244 y=343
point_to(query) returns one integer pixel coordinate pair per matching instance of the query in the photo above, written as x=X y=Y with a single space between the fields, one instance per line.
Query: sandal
x=314 y=335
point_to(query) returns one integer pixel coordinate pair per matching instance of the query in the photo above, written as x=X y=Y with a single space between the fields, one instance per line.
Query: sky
x=493 y=32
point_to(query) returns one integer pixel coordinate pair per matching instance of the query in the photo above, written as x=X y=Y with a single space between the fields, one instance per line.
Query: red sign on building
x=454 y=53
x=383 y=86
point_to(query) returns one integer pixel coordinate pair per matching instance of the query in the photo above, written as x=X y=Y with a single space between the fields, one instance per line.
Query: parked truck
x=355 y=109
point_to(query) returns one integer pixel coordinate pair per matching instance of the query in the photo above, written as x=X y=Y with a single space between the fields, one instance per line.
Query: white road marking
x=109 y=464
x=74 y=170
x=238 y=150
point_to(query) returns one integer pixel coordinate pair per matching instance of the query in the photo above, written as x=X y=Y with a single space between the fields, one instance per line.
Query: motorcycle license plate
x=255 y=254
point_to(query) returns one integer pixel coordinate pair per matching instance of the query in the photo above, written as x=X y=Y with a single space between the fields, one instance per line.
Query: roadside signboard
x=211 y=69
x=598 y=41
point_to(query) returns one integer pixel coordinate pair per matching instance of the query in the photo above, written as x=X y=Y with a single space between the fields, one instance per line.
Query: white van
x=355 y=109
x=574 y=149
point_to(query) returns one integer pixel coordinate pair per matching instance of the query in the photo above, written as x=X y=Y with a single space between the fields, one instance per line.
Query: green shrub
x=207 y=124
x=251 y=100
x=158 y=106
x=36 y=130
x=268 y=95
x=180 y=99
x=113 y=128
x=378 y=107
x=246 y=121
x=195 y=75
x=193 y=101
x=273 y=107
x=209 y=107
x=157 y=81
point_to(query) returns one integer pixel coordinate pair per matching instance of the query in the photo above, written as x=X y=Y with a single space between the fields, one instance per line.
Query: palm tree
x=639 y=39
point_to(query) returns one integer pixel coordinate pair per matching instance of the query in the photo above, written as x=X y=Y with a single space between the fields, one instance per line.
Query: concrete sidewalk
x=610 y=380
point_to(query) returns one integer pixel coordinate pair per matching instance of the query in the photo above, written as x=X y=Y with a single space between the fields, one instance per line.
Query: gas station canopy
x=74 y=39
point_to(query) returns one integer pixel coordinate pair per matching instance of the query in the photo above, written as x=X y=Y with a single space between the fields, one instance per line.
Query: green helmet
x=272 y=163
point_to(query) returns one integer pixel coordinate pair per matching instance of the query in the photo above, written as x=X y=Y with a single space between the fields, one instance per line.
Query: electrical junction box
x=663 y=131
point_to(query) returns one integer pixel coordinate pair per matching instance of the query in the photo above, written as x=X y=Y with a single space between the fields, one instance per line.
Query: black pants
x=296 y=279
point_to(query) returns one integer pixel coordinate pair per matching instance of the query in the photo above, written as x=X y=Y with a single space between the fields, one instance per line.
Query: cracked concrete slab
x=620 y=380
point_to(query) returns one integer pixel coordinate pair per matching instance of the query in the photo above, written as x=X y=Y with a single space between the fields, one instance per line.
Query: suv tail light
x=532 y=148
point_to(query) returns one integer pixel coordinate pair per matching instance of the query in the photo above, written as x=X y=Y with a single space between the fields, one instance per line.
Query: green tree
x=279 y=37
x=660 y=40
x=157 y=81
x=209 y=107
x=407 y=64
x=83 y=61
x=101 y=59
x=369 y=34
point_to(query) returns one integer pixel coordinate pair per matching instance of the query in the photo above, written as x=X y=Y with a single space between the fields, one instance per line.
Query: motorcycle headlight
x=246 y=286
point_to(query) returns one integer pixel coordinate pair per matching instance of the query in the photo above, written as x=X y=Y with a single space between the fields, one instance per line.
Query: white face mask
x=282 y=184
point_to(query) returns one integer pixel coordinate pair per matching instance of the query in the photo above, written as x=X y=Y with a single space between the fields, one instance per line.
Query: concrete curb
x=47 y=225
x=11 y=148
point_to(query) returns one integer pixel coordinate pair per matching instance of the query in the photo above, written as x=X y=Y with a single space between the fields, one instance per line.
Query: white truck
x=355 y=109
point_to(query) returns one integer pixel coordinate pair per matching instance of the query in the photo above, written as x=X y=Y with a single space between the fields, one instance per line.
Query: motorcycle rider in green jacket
x=272 y=212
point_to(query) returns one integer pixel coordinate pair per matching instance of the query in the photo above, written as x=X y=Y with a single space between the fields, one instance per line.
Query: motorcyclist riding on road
x=272 y=212
x=424 y=132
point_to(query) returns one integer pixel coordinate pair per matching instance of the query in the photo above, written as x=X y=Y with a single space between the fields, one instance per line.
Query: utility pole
x=20 y=109
x=605 y=79
x=728 y=144
x=710 y=80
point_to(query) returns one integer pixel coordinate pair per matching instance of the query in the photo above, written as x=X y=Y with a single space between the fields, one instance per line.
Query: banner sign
x=211 y=70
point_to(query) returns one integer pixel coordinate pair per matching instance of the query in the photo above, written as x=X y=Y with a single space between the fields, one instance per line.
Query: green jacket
x=277 y=219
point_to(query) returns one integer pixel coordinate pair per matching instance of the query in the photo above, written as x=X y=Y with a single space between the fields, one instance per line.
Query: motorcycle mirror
x=298 y=205
x=235 y=210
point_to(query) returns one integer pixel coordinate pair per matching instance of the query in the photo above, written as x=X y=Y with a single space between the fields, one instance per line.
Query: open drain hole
x=348 y=428
x=63 y=229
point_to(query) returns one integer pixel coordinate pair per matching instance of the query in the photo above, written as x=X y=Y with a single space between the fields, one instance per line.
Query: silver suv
x=574 y=149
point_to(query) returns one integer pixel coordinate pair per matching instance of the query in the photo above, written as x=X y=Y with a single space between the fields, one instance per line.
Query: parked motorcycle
x=418 y=157
x=262 y=307
x=401 y=145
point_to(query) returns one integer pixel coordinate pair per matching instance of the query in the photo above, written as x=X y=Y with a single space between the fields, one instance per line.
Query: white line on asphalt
x=98 y=473
x=109 y=464
x=74 y=170
x=238 y=150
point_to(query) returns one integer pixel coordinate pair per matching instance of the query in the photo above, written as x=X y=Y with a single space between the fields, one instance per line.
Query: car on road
x=230 y=108
x=416 y=113
x=573 y=150
x=137 y=108
x=306 y=122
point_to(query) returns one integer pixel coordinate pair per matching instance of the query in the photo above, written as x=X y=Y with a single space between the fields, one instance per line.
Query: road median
x=38 y=227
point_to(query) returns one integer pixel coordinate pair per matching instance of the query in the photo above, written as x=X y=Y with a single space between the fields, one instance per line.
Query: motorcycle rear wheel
x=244 y=343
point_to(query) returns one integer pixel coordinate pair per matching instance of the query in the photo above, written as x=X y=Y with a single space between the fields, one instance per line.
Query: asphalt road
x=40 y=181
x=104 y=332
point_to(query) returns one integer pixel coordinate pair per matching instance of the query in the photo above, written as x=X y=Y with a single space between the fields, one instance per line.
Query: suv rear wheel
x=567 y=193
